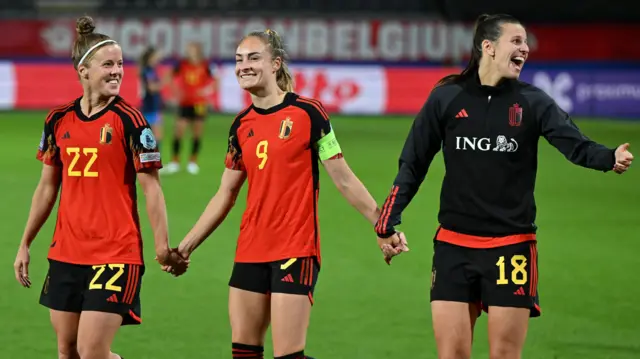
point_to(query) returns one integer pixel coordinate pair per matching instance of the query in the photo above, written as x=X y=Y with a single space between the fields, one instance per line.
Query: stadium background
x=372 y=63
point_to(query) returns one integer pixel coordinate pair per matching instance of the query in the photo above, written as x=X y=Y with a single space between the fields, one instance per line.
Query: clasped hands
x=173 y=261
x=393 y=246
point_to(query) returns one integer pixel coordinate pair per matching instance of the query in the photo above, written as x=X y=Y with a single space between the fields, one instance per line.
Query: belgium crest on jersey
x=106 y=134
x=515 y=115
x=285 y=128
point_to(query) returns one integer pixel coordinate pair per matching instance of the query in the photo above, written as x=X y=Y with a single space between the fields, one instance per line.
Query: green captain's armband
x=328 y=146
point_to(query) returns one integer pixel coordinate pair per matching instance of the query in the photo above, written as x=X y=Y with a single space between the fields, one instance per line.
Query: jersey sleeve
x=323 y=137
x=48 y=151
x=561 y=132
x=140 y=139
x=422 y=144
x=233 y=159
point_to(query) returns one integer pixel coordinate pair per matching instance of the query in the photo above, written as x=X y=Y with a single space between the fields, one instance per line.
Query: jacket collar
x=505 y=86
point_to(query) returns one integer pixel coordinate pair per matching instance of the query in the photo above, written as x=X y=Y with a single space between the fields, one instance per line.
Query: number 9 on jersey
x=261 y=152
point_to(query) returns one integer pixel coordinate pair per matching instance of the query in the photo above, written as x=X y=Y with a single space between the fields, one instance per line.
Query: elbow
x=46 y=192
x=151 y=189
x=341 y=180
x=228 y=197
x=346 y=184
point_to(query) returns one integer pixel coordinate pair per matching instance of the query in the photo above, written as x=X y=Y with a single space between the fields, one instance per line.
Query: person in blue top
x=151 y=85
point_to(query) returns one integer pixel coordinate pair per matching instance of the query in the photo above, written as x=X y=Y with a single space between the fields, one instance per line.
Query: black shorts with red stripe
x=110 y=288
x=290 y=276
x=505 y=276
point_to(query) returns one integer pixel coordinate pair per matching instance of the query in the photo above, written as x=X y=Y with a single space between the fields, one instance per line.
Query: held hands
x=21 y=266
x=174 y=262
x=393 y=246
x=623 y=159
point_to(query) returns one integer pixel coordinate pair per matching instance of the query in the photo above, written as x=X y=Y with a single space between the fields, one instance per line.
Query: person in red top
x=194 y=83
x=276 y=144
x=91 y=150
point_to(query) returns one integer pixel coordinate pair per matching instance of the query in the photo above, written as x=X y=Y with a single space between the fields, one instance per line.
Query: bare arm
x=156 y=209
x=216 y=211
x=44 y=198
x=352 y=188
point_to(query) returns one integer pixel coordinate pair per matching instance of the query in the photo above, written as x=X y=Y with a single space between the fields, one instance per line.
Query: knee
x=68 y=350
x=504 y=350
x=454 y=352
x=249 y=336
x=93 y=352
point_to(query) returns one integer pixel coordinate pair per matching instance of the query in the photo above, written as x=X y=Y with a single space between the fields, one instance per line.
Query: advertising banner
x=606 y=93
x=320 y=39
x=342 y=89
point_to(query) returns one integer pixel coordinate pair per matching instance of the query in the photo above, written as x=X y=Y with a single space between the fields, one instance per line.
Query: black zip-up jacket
x=489 y=138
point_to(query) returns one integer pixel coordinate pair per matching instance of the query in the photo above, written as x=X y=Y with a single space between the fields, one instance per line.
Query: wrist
x=185 y=248
x=25 y=243
x=162 y=251
x=375 y=216
x=387 y=234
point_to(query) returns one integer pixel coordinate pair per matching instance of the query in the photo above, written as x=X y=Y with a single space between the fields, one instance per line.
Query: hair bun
x=482 y=18
x=85 y=25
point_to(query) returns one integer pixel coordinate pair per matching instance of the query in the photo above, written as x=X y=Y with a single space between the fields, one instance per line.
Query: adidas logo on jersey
x=250 y=133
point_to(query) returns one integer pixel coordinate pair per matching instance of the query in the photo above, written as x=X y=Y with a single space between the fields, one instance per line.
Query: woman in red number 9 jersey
x=277 y=145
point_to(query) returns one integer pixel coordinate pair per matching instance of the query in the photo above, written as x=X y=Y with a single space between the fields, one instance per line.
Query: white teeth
x=519 y=58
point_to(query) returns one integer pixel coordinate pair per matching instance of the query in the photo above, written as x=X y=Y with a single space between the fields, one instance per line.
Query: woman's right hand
x=21 y=266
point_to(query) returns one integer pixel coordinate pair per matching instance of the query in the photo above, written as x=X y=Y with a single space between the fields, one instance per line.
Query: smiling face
x=194 y=52
x=255 y=67
x=509 y=52
x=104 y=72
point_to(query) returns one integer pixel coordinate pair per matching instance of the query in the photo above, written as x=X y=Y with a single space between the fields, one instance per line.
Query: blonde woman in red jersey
x=93 y=149
x=276 y=144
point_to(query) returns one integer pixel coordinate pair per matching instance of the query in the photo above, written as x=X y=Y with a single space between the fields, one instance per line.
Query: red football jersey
x=192 y=79
x=97 y=215
x=277 y=149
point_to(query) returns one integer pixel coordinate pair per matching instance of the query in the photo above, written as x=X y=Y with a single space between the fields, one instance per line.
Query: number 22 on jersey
x=92 y=152
x=109 y=285
x=261 y=152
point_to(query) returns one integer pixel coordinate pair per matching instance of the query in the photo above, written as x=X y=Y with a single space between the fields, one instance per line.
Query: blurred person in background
x=93 y=150
x=277 y=145
x=151 y=86
x=487 y=124
x=194 y=84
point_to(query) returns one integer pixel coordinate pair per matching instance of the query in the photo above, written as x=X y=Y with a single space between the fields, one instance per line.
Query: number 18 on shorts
x=504 y=276
x=111 y=288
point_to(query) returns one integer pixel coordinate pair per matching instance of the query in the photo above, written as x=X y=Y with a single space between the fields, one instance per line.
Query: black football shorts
x=290 y=276
x=193 y=112
x=111 y=288
x=504 y=276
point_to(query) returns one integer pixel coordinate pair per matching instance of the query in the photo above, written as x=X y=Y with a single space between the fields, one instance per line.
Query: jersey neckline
x=506 y=85
x=95 y=116
x=289 y=98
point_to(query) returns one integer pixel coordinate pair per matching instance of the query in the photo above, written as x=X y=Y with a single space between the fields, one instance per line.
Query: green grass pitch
x=589 y=241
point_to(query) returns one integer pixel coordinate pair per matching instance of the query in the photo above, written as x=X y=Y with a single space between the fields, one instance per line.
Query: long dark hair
x=488 y=27
x=146 y=56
